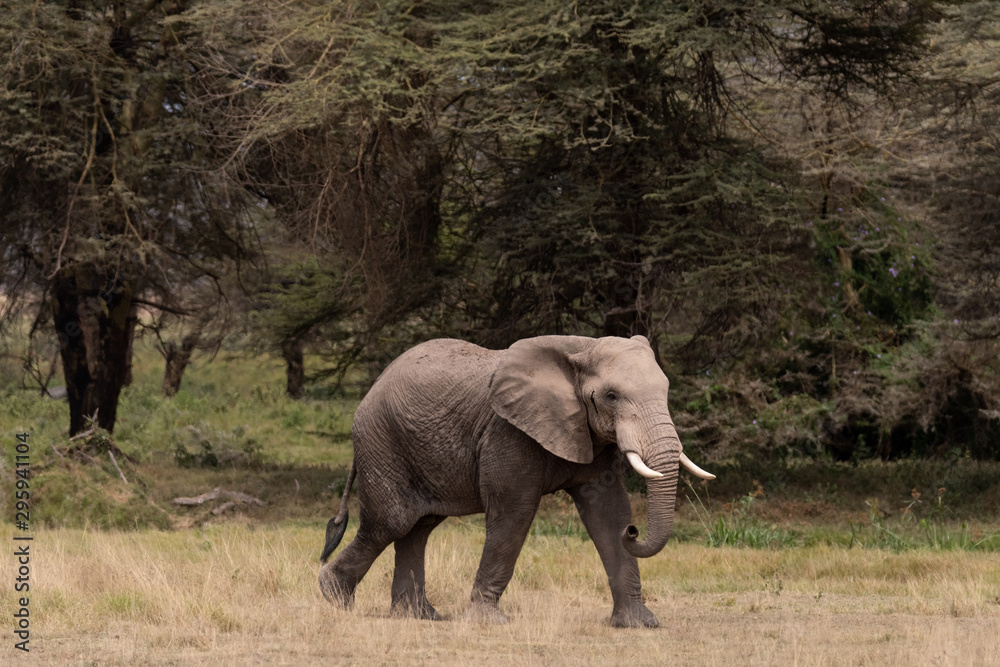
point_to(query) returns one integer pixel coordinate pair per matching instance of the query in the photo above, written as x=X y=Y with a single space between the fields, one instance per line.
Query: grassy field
x=240 y=594
x=820 y=564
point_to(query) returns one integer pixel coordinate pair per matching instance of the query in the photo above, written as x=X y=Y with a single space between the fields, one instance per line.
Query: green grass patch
x=909 y=532
x=737 y=524
x=68 y=493
x=737 y=527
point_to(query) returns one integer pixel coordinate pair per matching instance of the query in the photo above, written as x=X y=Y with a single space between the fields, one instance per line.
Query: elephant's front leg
x=507 y=523
x=604 y=507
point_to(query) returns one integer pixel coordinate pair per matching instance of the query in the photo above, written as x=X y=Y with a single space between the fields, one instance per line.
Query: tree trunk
x=295 y=369
x=177 y=361
x=95 y=323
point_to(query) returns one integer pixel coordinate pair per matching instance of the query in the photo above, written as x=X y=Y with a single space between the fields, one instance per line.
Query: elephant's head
x=570 y=393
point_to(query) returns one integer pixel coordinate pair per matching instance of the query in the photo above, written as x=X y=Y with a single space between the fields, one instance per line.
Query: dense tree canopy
x=795 y=201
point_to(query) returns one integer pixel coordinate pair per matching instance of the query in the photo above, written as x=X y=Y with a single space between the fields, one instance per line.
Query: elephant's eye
x=611 y=396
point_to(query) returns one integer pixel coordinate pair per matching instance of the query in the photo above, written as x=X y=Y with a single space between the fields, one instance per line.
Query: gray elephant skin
x=451 y=429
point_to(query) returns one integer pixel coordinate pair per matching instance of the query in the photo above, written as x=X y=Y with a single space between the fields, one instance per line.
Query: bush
x=215 y=448
x=82 y=488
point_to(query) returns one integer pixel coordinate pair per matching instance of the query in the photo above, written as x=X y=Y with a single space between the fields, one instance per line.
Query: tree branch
x=160 y=306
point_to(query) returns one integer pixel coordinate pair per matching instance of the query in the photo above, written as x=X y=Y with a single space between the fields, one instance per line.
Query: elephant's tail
x=337 y=526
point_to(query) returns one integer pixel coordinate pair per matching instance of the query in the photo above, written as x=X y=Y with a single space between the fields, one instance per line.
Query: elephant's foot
x=637 y=616
x=482 y=611
x=335 y=590
x=420 y=609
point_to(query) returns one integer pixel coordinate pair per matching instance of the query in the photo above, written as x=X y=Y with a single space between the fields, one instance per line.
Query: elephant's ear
x=535 y=390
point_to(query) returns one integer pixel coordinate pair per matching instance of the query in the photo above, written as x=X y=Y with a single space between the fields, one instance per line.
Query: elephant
x=450 y=429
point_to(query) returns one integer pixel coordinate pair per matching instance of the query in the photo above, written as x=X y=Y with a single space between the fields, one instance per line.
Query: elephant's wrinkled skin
x=451 y=429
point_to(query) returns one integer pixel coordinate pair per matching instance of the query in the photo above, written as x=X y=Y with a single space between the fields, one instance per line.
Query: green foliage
x=876 y=268
x=233 y=404
x=567 y=526
x=112 y=190
x=101 y=131
x=919 y=524
x=214 y=449
x=972 y=487
x=739 y=528
x=505 y=147
x=623 y=175
x=924 y=533
x=240 y=414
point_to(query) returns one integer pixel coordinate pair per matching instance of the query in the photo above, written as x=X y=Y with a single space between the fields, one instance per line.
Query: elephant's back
x=436 y=369
x=440 y=375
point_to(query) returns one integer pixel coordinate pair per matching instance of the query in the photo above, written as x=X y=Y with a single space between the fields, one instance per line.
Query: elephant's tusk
x=641 y=467
x=692 y=468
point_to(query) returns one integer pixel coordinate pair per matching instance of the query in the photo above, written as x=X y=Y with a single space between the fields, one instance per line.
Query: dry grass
x=236 y=594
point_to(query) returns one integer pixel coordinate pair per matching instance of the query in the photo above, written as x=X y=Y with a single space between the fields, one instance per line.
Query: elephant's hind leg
x=409 y=596
x=338 y=579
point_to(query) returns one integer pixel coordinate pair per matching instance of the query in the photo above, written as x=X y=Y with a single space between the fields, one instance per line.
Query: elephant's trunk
x=660 y=449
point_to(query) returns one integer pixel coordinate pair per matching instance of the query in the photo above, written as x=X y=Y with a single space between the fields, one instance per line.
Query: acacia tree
x=302 y=303
x=895 y=198
x=618 y=191
x=333 y=126
x=582 y=166
x=111 y=196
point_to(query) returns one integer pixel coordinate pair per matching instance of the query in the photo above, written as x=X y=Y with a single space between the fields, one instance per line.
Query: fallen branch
x=197 y=500
x=95 y=441
x=79 y=452
x=111 y=454
x=224 y=507
x=89 y=431
x=83 y=434
x=217 y=493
